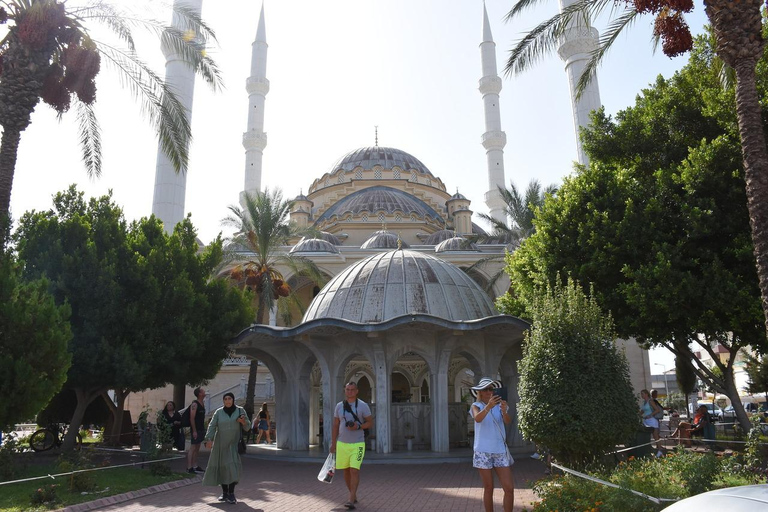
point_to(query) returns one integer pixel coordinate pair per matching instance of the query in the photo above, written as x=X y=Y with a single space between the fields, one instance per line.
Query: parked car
x=715 y=412
x=729 y=414
x=747 y=498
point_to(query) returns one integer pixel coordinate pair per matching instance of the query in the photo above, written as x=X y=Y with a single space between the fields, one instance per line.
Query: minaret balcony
x=494 y=140
x=254 y=140
x=257 y=85
x=578 y=41
x=490 y=85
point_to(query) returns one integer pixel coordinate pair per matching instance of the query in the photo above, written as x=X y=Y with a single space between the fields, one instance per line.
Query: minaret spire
x=494 y=139
x=257 y=85
x=171 y=187
x=578 y=43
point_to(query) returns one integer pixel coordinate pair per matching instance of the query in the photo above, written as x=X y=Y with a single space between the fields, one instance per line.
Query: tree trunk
x=737 y=25
x=250 y=389
x=84 y=398
x=115 y=436
x=8 y=151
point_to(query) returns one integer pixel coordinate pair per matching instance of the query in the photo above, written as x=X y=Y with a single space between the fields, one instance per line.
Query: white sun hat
x=485 y=382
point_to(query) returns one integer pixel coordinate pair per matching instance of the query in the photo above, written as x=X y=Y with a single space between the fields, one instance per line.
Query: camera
x=350 y=424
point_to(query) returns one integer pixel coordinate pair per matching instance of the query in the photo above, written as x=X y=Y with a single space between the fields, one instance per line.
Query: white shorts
x=651 y=422
x=485 y=460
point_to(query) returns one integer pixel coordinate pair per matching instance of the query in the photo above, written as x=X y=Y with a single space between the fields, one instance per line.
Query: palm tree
x=257 y=248
x=521 y=211
x=737 y=27
x=48 y=53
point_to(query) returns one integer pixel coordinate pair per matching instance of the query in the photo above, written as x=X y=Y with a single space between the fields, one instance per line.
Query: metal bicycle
x=52 y=436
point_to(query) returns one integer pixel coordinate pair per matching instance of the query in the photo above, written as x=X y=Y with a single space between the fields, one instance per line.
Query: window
x=359 y=174
x=414 y=177
x=382 y=217
x=327 y=182
x=377 y=174
x=365 y=217
x=340 y=179
x=398 y=217
x=396 y=174
x=429 y=183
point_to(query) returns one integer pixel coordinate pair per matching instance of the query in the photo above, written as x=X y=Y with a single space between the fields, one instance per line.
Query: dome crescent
x=401 y=282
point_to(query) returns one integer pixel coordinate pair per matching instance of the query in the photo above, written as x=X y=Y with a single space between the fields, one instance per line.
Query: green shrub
x=45 y=496
x=11 y=464
x=569 y=353
x=75 y=461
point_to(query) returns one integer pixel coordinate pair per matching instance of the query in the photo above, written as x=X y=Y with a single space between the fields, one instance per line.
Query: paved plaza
x=290 y=485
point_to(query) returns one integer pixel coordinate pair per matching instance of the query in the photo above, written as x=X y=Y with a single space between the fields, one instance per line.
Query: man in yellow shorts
x=350 y=418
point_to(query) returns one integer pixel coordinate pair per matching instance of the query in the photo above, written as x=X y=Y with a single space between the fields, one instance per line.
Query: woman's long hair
x=264 y=407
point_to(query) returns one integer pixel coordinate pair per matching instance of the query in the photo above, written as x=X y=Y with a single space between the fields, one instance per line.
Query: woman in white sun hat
x=491 y=413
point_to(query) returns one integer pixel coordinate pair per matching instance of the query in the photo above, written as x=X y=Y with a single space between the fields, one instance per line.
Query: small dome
x=383 y=240
x=457 y=243
x=395 y=283
x=328 y=237
x=313 y=245
x=301 y=197
x=438 y=236
x=458 y=196
x=388 y=158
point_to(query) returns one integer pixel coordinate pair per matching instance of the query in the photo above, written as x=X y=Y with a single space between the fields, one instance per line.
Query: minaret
x=578 y=42
x=170 y=187
x=257 y=85
x=493 y=139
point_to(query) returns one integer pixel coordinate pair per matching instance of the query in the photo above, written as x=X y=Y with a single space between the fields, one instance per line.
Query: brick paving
x=281 y=485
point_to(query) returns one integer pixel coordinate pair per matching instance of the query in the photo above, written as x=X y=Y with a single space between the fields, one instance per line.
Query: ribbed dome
x=457 y=243
x=438 y=236
x=313 y=245
x=395 y=283
x=329 y=237
x=383 y=240
x=388 y=158
x=380 y=199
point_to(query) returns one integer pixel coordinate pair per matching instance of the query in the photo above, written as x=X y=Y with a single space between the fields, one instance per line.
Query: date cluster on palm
x=670 y=25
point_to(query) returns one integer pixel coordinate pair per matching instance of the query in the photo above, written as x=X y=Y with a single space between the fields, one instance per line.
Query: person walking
x=197 y=425
x=227 y=424
x=172 y=417
x=491 y=453
x=350 y=418
x=263 y=426
x=650 y=412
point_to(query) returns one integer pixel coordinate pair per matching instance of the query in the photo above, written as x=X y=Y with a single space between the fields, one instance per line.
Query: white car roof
x=747 y=498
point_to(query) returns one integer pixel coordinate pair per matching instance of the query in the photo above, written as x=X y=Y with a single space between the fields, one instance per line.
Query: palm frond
x=110 y=16
x=175 y=41
x=520 y=7
x=158 y=102
x=90 y=139
x=604 y=44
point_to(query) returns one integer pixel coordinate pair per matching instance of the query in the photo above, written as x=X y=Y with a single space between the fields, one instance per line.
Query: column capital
x=257 y=85
x=489 y=85
x=577 y=41
x=494 y=139
x=254 y=140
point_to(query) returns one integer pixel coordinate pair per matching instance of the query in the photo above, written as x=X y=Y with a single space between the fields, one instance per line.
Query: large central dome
x=401 y=282
x=388 y=158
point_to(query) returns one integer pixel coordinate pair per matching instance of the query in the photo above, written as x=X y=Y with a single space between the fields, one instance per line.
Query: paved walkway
x=283 y=485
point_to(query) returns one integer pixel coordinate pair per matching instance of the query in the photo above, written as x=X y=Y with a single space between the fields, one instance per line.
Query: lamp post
x=666 y=387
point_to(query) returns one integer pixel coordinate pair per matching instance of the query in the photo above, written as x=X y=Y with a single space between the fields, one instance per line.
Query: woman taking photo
x=491 y=413
x=172 y=417
x=263 y=426
x=224 y=466
x=649 y=409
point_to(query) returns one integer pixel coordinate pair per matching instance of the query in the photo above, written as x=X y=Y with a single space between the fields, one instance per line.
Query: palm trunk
x=8 y=150
x=737 y=25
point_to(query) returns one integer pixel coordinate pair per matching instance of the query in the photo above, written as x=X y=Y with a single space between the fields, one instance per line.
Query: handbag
x=241 y=443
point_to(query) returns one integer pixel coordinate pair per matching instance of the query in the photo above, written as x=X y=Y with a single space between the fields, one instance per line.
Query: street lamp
x=666 y=387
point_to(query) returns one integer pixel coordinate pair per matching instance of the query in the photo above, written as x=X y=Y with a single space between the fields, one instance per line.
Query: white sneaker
x=536 y=456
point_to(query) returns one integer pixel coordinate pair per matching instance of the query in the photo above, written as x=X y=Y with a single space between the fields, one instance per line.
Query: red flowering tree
x=47 y=53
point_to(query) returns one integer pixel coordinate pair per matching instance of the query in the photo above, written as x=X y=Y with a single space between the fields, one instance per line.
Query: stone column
x=383 y=400
x=438 y=383
x=314 y=415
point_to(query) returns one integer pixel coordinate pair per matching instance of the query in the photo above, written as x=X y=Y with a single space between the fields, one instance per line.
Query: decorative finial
x=384 y=226
x=376 y=128
x=399 y=243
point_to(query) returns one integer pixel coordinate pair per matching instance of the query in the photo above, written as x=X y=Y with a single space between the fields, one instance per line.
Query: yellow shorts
x=349 y=455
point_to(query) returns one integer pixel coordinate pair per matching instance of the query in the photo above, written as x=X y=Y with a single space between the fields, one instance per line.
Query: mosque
x=405 y=311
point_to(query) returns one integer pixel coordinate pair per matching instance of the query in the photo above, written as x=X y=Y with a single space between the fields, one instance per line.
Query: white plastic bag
x=329 y=467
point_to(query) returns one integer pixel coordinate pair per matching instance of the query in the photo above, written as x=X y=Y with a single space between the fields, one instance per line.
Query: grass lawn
x=107 y=482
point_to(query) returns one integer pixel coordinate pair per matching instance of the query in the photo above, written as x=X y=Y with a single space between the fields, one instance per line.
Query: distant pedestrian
x=197 y=426
x=227 y=424
x=649 y=411
x=491 y=455
x=263 y=425
x=172 y=417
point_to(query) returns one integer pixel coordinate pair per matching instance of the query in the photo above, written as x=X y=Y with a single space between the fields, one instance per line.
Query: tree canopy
x=145 y=311
x=33 y=344
x=658 y=223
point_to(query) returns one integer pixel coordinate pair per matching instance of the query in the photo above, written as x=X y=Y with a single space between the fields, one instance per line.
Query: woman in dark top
x=173 y=418
x=263 y=425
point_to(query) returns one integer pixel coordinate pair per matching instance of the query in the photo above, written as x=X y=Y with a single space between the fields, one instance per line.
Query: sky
x=336 y=69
